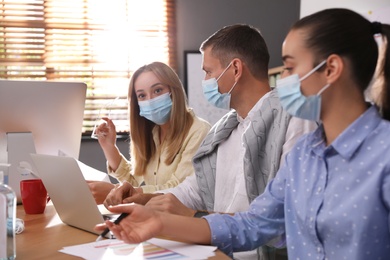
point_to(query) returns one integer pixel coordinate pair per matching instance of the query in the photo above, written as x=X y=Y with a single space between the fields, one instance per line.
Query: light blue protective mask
x=295 y=103
x=158 y=109
x=211 y=93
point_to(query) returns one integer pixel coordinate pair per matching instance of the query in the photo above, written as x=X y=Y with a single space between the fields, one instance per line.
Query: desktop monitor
x=43 y=117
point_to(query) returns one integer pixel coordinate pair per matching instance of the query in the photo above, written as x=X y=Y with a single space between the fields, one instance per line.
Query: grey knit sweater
x=263 y=142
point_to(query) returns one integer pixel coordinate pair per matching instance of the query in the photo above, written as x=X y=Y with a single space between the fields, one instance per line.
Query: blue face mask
x=295 y=103
x=157 y=110
x=211 y=93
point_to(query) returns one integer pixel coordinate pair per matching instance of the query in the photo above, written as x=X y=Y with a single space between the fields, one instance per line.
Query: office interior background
x=198 y=19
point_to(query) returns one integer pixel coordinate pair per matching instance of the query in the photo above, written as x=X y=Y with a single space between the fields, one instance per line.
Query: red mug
x=34 y=196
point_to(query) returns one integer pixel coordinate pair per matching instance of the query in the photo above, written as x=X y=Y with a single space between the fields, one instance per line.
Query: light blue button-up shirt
x=331 y=202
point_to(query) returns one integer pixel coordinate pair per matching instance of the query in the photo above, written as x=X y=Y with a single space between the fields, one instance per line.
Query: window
x=98 y=42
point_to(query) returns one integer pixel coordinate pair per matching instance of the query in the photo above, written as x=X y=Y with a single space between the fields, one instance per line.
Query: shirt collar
x=352 y=137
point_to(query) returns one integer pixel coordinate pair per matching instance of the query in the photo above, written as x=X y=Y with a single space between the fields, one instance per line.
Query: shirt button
x=319 y=189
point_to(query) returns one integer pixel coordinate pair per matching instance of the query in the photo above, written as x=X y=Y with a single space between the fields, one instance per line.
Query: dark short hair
x=240 y=41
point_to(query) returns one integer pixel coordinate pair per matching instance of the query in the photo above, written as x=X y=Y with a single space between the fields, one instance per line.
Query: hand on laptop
x=100 y=190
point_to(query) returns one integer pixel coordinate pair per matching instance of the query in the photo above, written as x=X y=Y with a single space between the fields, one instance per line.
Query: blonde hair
x=142 y=146
x=378 y=88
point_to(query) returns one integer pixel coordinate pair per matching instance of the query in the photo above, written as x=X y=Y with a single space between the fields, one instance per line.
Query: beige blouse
x=160 y=176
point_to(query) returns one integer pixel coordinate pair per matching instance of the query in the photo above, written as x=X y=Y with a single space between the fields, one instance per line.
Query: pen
x=116 y=222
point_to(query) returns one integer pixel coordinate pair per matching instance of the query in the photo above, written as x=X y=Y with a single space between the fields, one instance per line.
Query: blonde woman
x=164 y=133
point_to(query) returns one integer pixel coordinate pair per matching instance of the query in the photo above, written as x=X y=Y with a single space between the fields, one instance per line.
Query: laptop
x=69 y=192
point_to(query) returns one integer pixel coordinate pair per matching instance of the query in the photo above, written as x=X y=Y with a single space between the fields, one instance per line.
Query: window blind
x=97 y=42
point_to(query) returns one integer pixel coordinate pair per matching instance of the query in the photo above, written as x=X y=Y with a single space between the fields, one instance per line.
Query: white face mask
x=210 y=91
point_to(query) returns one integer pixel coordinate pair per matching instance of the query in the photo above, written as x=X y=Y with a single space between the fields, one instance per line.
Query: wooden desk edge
x=45 y=234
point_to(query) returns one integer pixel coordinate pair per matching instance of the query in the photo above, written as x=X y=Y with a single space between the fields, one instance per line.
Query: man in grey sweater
x=244 y=149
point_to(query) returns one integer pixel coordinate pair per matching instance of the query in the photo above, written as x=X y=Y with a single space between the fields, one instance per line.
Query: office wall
x=197 y=20
x=92 y=155
x=377 y=10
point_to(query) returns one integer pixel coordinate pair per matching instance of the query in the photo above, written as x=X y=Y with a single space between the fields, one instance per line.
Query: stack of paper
x=151 y=249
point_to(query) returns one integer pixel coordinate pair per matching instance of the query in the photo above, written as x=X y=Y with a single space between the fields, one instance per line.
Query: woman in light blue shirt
x=331 y=198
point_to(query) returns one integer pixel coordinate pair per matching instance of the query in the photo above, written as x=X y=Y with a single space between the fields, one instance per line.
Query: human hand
x=132 y=228
x=170 y=204
x=141 y=198
x=100 y=190
x=119 y=193
x=106 y=133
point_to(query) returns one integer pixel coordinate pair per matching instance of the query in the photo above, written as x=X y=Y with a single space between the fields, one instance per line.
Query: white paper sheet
x=89 y=173
x=92 y=174
x=154 y=248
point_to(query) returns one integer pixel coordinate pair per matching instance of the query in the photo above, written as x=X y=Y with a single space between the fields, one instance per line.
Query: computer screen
x=51 y=112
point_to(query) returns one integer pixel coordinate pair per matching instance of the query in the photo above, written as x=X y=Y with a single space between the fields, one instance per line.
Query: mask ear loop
x=223 y=72
x=235 y=83
x=323 y=89
x=313 y=70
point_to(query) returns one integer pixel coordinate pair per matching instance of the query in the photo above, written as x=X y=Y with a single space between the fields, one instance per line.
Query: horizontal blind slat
x=75 y=40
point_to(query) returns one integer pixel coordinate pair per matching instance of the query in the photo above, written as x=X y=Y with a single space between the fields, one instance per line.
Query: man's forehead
x=209 y=61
